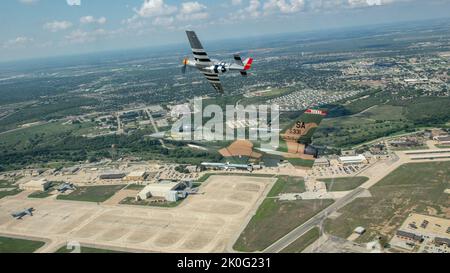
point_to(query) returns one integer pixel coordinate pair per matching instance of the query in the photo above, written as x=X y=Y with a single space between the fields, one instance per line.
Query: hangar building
x=136 y=176
x=352 y=160
x=167 y=190
x=36 y=185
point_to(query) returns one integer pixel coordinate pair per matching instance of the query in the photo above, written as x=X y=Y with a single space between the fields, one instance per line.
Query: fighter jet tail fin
x=304 y=128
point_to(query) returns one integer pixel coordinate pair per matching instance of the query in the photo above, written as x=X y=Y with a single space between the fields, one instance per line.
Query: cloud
x=56 y=26
x=365 y=3
x=28 y=2
x=92 y=20
x=163 y=21
x=263 y=8
x=80 y=37
x=20 y=41
x=284 y=6
x=158 y=13
x=74 y=2
x=253 y=8
x=192 y=11
x=192 y=7
x=151 y=8
x=236 y=2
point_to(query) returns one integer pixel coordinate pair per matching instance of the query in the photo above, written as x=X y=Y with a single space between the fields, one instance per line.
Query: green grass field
x=303 y=242
x=7 y=188
x=286 y=184
x=5 y=184
x=13 y=245
x=421 y=147
x=298 y=162
x=46 y=133
x=384 y=112
x=443 y=146
x=375 y=122
x=344 y=184
x=84 y=249
x=417 y=187
x=10 y=193
x=274 y=219
x=97 y=194
x=135 y=187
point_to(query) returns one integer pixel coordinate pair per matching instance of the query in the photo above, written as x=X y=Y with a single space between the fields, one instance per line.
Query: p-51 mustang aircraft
x=212 y=68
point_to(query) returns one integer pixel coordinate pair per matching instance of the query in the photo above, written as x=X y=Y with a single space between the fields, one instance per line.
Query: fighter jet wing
x=200 y=55
x=214 y=80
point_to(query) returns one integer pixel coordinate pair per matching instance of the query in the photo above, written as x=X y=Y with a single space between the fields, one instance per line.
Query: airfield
x=208 y=222
x=211 y=221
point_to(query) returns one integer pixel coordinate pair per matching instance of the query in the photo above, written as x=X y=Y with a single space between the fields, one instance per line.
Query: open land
x=417 y=187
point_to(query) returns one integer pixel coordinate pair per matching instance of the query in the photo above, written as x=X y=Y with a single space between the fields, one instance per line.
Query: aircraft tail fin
x=248 y=64
x=303 y=129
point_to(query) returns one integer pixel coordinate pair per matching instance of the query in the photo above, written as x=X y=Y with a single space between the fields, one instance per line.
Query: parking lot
x=338 y=170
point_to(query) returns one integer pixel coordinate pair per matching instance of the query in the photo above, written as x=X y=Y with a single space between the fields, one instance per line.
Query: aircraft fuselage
x=216 y=67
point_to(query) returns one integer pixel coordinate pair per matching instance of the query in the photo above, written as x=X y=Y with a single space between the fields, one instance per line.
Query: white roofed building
x=353 y=160
x=165 y=190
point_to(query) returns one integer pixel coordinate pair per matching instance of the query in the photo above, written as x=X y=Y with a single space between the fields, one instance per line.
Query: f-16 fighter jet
x=295 y=142
x=212 y=68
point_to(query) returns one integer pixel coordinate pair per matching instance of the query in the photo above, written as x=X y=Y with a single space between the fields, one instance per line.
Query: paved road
x=22 y=128
x=314 y=221
x=155 y=127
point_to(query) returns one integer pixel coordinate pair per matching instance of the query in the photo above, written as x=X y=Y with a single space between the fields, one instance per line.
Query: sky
x=43 y=28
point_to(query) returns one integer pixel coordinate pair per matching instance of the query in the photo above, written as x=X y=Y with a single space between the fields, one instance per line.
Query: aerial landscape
x=102 y=151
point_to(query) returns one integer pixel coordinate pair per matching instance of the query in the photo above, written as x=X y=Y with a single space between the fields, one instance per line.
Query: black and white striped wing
x=200 y=55
x=214 y=80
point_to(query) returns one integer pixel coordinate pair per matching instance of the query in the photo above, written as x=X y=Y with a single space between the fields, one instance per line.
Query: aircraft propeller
x=185 y=63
